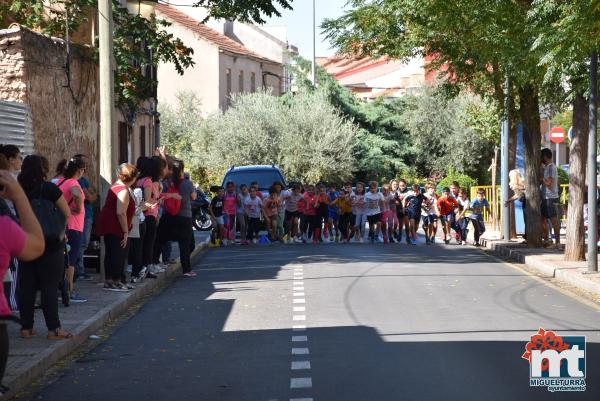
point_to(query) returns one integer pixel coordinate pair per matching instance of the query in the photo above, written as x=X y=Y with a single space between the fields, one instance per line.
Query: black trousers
x=136 y=249
x=149 y=240
x=114 y=260
x=253 y=228
x=178 y=229
x=346 y=221
x=44 y=274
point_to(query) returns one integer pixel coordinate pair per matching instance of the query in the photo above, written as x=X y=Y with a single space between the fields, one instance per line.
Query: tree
x=447 y=134
x=567 y=34
x=471 y=44
x=383 y=145
x=304 y=134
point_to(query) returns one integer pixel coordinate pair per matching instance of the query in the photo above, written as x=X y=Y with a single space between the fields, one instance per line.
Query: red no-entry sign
x=557 y=135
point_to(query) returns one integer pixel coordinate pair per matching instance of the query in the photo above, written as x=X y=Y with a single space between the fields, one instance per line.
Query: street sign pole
x=591 y=173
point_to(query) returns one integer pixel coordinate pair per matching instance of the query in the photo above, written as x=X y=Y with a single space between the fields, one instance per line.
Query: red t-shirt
x=310 y=209
x=446 y=205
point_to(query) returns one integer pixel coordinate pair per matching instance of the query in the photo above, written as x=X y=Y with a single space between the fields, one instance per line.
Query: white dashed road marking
x=300 y=351
x=299 y=327
x=299 y=338
x=299 y=317
x=301 y=382
x=299 y=301
x=300 y=365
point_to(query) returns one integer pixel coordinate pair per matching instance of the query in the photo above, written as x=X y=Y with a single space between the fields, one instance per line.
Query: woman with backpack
x=176 y=221
x=45 y=272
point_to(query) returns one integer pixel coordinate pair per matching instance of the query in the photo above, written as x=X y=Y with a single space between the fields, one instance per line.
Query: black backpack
x=51 y=219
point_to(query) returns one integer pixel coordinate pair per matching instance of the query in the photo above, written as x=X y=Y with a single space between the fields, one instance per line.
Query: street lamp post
x=313 y=70
x=504 y=163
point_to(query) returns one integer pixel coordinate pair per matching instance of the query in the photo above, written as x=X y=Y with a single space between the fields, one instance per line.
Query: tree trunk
x=530 y=116
x=575 y=243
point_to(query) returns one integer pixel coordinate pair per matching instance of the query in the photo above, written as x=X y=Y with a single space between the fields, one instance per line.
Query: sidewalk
x=30 y=358
x=547 y=262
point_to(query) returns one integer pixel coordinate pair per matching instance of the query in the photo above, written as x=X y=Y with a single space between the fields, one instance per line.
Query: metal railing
x=563 y=196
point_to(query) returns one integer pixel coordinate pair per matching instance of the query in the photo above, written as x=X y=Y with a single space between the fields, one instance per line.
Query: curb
x=543 y=265
x=81 y=333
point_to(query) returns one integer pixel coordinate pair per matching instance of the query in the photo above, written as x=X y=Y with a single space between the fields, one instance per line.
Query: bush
x=464 y=180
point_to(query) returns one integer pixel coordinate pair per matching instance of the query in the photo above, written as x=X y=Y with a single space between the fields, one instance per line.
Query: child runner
x=455 y=193
x=446 y=205
x=259 y=193
x=413 y=202
x=478 y=206
x=241 y=214
x=430 y=213
x=292 y=215
x=359 y=211
x=393 y=231
x=387 y=222
x=374 y=204
x=271 y=212
x=346 y=216
x=310 y=211
x=281 y=234
x=253 y=209
x=334 y=213
x=303 y=220
x=322 y=212
x=230 y=203
x=216 y=214
x=403 y=223
x=464 y=214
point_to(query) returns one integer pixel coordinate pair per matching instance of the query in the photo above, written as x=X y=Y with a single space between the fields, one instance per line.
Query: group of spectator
x=47 y=220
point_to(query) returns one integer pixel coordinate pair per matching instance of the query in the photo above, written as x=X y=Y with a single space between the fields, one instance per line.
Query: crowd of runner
x=322 y=213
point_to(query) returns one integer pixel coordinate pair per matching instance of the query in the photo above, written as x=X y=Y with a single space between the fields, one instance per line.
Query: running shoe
x=413 y=241
x=76 y=298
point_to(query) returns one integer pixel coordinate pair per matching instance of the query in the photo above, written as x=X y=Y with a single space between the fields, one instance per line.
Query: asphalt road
x=336 y=322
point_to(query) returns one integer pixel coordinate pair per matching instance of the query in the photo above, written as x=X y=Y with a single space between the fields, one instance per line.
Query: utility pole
x=591 y=172
x=504 y=162
x=106 y=78
x=314 y=55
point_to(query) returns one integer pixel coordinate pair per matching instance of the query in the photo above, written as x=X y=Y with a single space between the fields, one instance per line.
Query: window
x=241 y=82
x=123 y=142
x=252 y=82
x=228 y=86
x=142 y=141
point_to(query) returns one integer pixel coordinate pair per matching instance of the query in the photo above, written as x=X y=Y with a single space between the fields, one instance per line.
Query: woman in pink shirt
x=74 y=196
x=25 y=242
x=149 y=181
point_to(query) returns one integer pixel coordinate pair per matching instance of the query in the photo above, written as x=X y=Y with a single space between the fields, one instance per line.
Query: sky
x=299 y=24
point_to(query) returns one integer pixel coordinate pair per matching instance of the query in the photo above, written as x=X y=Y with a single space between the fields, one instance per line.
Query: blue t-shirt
x=477 y=207
x=333 y=196
x=414 y=202
x=89 y=210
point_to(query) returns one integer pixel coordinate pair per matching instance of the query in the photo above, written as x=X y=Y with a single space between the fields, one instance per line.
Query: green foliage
x=464 y=180
x=382 y=143
x=304 y=134
x=563 y=177
x=250 y=11
x=456 y=134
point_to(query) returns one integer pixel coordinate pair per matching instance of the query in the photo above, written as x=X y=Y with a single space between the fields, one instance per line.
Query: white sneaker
x=155 y=269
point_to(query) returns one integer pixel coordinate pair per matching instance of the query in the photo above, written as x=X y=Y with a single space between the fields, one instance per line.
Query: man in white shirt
x=550 y=199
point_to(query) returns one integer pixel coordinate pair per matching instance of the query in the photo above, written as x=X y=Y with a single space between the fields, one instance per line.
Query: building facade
x=223 y=66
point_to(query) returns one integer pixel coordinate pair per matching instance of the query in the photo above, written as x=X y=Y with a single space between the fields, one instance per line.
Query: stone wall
x=65 y=112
